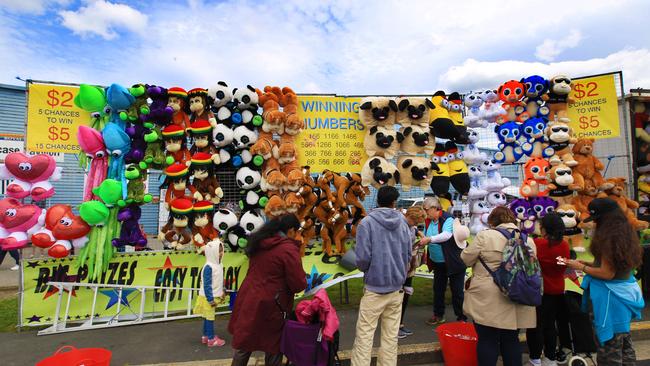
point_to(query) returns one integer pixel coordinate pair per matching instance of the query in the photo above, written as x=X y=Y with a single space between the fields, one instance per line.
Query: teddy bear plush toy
x=558 y=98
x=177 y=100
x=130 y=231
x=536 y=88
x=617 y=193
x=471 y=153
x=534 y=140
x=523 y=212
x=641 y=121
x=587 y=173
x=479 y=212
x=175 y=145
x=202 y=229
x=476 y=191
x=378 y=111
x=382 y=141
x=511 y=94
x=492 y=111
x=536 y=183
x=415 y=171
x=413 y=111
x=205 y=180
x=509 y=144
x=378 y=172
x=289 y=103
x=274 y=118
x=562 y=183
x=560 y=137
x=176 y=233
x=571 y=218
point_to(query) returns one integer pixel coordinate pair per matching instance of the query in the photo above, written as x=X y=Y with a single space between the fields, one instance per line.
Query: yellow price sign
x=594 y=112
x=333 y=136
x=53 y=119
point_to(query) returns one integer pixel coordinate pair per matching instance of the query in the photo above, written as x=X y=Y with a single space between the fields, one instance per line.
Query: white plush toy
x=496 y=198
x=479 y=212
x=474 y=117
x=491 y=107
x=494 y=181
x=472 y=155
x=476 y=191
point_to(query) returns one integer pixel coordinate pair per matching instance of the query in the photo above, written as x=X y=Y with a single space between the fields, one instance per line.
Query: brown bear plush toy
x=617 y=193
x=587 y=173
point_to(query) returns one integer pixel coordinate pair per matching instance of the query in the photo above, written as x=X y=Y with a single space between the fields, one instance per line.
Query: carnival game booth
x=231 y=157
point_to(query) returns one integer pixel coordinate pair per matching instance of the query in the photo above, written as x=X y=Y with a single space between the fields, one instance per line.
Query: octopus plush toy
x=92 y=99
x=119 y=99
x=93 y=149
x=130 y=232
x=18 y=222
x=30 y=175
x=118 y=145
x=63 y=230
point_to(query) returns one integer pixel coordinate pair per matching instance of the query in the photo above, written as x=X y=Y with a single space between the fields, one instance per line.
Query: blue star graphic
x=114 y=294
x=315 y=279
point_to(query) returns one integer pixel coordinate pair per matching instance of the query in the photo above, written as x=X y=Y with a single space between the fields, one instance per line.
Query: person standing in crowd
x=383 y=251
x=549 y=246
x=609 y=281
x=211 y=288
x=14 y=254
x=445 y=257
x=496 y=318
x=415 y=216
x=275 y=273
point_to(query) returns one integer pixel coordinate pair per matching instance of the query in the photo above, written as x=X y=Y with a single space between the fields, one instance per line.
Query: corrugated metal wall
x=12 y=109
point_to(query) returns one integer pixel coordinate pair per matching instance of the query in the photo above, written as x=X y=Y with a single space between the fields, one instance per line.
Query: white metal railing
x=131 y=316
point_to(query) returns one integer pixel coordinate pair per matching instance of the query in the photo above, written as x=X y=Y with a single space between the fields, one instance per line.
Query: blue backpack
x=519 y=275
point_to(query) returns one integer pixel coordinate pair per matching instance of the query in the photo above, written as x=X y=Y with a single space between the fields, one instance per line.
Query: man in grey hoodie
x=383 y=251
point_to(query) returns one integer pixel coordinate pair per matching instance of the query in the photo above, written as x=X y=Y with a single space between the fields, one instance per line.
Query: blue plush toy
x=536 y=88
x=508 y=134
x=119 y=99
x=534 y=140
x=118 y=144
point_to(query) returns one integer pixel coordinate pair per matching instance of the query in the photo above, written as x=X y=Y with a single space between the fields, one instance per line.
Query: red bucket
x=78 y=357
x=458 y=342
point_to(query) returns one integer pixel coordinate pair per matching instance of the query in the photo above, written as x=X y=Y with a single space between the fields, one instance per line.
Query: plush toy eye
x=459 y=156
x=107 y=110
x=445 y=104
x=422 y=107
x=518 y=91
x=529 y=85
x=535 y=169
x=65 y=221
x=520 y=210
x=515 y=132
x=246 y=99
x=550 y=209
x=11 y=212
x=451 y=157
x=245 y=140
x=455 y=107
x=220 y=94
x=95 y=115
x=528 y=130
x=504 y=133
x=100 y=154
x=444 y=159
x=539 y=87
x=538 y=208
x=116 y=153
x=539 y=126
x=506 y=92
x=570 y=214
x=25 y=167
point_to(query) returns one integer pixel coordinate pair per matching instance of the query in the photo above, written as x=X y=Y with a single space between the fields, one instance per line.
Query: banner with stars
x=179 y=269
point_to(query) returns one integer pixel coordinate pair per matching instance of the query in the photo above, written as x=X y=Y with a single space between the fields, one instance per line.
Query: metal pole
x=142 y=300
x=92 y=312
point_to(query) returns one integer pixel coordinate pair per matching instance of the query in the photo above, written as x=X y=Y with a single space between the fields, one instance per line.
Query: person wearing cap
x=383 y=250
x=609 y=282
x=444 y=254
x=415 y=216
x=497 y=320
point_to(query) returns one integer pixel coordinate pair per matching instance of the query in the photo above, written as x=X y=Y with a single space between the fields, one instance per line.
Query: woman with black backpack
x=497 y=318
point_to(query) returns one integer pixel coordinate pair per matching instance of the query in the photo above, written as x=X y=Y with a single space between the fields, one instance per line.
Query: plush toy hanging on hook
x=93 y=148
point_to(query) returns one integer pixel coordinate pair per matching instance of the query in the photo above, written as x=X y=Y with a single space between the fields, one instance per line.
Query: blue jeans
x=457 y=286
x=208 y=328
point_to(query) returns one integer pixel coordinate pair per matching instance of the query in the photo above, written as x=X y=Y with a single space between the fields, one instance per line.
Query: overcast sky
x=343 y=47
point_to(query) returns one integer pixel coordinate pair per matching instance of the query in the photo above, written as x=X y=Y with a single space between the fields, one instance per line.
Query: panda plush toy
x=248 y=179
x=243 y=139
x=251 y=221
x=222 y=137
x=247 y=104
x=221 y=103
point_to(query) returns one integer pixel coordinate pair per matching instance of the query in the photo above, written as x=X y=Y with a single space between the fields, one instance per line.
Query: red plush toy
x=512 y=93
x=63 y=230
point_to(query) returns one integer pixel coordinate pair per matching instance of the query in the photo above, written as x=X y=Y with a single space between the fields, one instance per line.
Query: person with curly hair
x=609 y=281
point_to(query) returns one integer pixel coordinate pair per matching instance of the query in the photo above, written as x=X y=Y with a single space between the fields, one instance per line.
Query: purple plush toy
x=130 y=234
x=136 y=132
x=540 y=206
x=522 y=210
x=161 y=114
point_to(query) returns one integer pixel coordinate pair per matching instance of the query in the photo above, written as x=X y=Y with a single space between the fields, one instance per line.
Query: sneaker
x=547 y=362
x=216 y=341
x=406 y=331
x=401 y=334
x=204 y=340
x=15 y=267
x=435 y=320
x=562 y=356
x=535 y=362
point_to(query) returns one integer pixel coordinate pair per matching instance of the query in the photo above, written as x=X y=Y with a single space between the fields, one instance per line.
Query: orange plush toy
x=536 y=182
x=587 y=173
x=274 y=118
x=617 y=193
x=275 y=207
x=289 y=102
